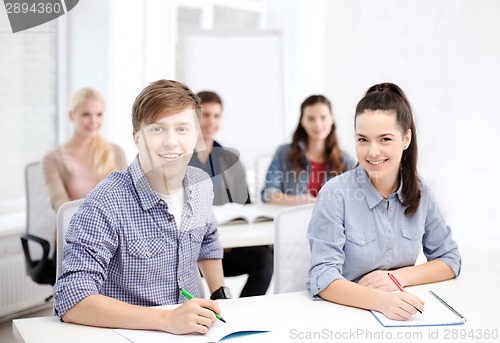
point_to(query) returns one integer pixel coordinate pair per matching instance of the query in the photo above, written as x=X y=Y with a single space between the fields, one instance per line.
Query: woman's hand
x=401 y=305
x=378 y=279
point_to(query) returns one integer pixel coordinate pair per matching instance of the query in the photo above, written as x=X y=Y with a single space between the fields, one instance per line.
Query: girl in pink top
x=74 y=169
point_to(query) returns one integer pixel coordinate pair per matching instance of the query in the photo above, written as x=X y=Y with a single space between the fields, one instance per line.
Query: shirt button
x=148 y=254
x=390 y=251
x=390 y=209
x=162 y=202
x=170 y=218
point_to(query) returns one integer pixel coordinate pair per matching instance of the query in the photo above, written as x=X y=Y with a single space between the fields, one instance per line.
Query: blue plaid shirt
x=124 y=243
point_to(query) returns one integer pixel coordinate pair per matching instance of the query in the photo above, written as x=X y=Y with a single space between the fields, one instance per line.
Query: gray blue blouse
x=354 y=230
x=281 y=175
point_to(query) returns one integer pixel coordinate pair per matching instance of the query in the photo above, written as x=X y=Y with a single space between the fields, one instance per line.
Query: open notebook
x=217 y=332
x=436 y=313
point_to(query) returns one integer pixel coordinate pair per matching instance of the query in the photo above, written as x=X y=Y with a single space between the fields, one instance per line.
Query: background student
x=229 y=182
x=377 y=217
x=73 y=169
x=221 y=163
x=142 y=233
x=298 y=170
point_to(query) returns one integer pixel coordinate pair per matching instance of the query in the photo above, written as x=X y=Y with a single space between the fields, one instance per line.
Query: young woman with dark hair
x=378 y=217
x=298 y=170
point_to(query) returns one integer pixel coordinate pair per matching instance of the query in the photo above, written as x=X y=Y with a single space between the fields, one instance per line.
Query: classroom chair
x=259 y=170
x=292 y=254
x=66 y=211
x=38 y=241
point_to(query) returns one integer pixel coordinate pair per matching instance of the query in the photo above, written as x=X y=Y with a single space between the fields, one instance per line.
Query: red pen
x=398 y=285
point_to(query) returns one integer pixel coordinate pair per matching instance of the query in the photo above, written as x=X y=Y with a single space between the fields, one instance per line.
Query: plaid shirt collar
x=147 y=196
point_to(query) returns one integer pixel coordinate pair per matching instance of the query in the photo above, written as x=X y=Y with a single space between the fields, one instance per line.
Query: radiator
x=17 y=291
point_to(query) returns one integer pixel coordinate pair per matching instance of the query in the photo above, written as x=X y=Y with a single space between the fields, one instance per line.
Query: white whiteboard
x=245 y=69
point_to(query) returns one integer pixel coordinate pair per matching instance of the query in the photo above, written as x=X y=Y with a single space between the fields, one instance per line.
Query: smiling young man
x=142 y=233
x=221 y=163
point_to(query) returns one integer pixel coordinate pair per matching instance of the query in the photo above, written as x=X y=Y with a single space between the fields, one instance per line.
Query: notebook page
x=435 y=313
x=216 y=332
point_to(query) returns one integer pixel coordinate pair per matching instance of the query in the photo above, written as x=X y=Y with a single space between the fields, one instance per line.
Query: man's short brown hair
x=207 y=97
x=160 y=96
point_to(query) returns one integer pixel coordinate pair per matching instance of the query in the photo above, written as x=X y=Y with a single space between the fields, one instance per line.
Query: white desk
x=295 y=315
x=245 y=235
x=475 y=294
x=50 y=329
x=241 y=233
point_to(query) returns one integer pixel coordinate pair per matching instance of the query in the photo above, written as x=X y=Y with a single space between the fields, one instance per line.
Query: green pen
x=190 y=296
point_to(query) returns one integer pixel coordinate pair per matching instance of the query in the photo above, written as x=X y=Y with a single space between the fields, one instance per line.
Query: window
x=188 y=19
x=215 y=17
x=230 y=19
x=221 y=15
x=28 y=102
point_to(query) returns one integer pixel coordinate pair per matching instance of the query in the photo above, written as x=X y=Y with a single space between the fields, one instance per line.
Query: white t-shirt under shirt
x=175 y=204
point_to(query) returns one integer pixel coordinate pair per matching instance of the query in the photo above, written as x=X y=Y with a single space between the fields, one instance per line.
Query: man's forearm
x=102 y=311
x=212 y=272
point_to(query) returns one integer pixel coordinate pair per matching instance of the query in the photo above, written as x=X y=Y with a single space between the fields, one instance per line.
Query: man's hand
x=193 y=316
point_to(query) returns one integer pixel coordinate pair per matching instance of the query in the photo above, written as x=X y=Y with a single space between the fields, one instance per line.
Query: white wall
x=245 y=68
x=444 y=53
x=303 y=27
x=116 y=49
x=446 y=56
x=82 y=55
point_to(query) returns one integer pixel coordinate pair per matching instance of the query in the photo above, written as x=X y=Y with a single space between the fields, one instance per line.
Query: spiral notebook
x=437 y=312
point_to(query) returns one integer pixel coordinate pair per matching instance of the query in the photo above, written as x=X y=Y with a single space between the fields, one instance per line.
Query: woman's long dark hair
x=332 y=153
x=389 y=97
